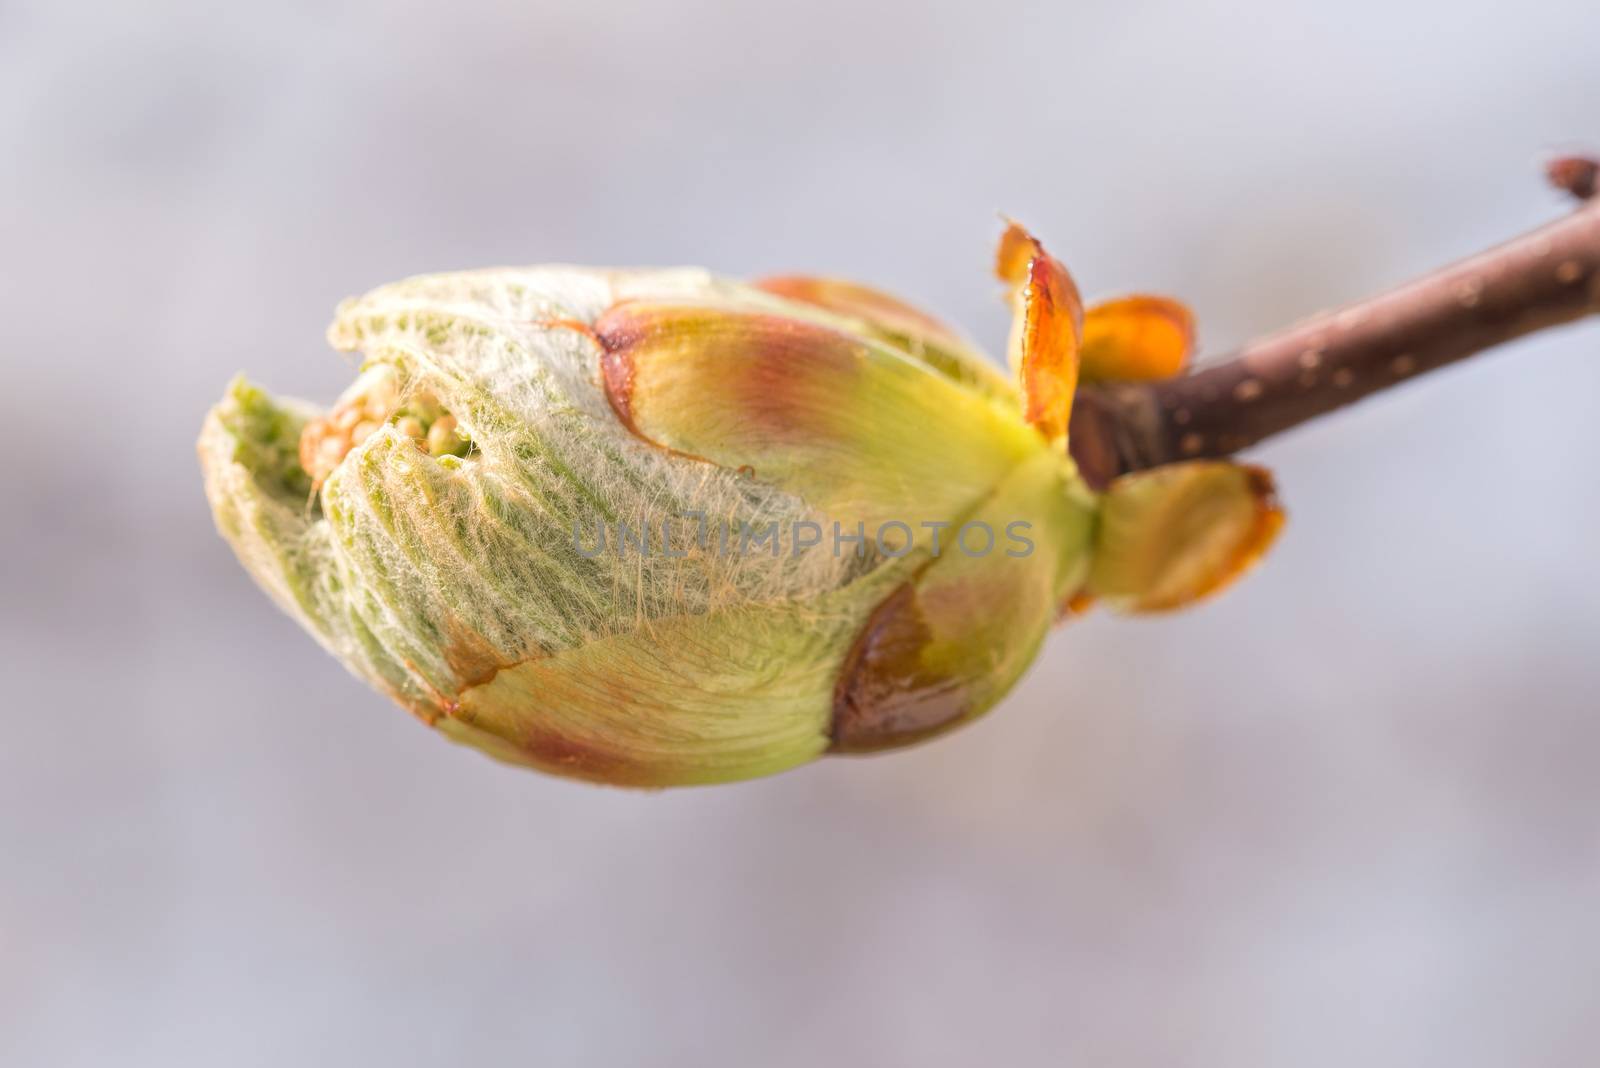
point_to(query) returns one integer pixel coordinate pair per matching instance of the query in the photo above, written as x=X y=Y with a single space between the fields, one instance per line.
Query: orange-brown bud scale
x=1137 y=339
x=1048 y=326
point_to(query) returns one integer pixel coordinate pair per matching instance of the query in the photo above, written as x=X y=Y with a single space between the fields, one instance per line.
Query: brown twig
x=1542 y=279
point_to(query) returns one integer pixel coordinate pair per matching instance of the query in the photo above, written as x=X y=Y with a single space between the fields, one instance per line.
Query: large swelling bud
x=658 y=528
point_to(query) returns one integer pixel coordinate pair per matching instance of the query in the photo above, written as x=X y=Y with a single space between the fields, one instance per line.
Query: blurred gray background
x=1347 y=814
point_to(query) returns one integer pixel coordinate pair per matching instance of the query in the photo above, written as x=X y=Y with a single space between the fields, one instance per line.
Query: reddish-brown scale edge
x=876 y=707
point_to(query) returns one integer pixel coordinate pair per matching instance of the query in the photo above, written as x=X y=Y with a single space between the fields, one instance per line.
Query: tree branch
x=1542 y=279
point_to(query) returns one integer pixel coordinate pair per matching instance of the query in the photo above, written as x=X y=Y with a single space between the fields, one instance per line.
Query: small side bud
x=1578 y=175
